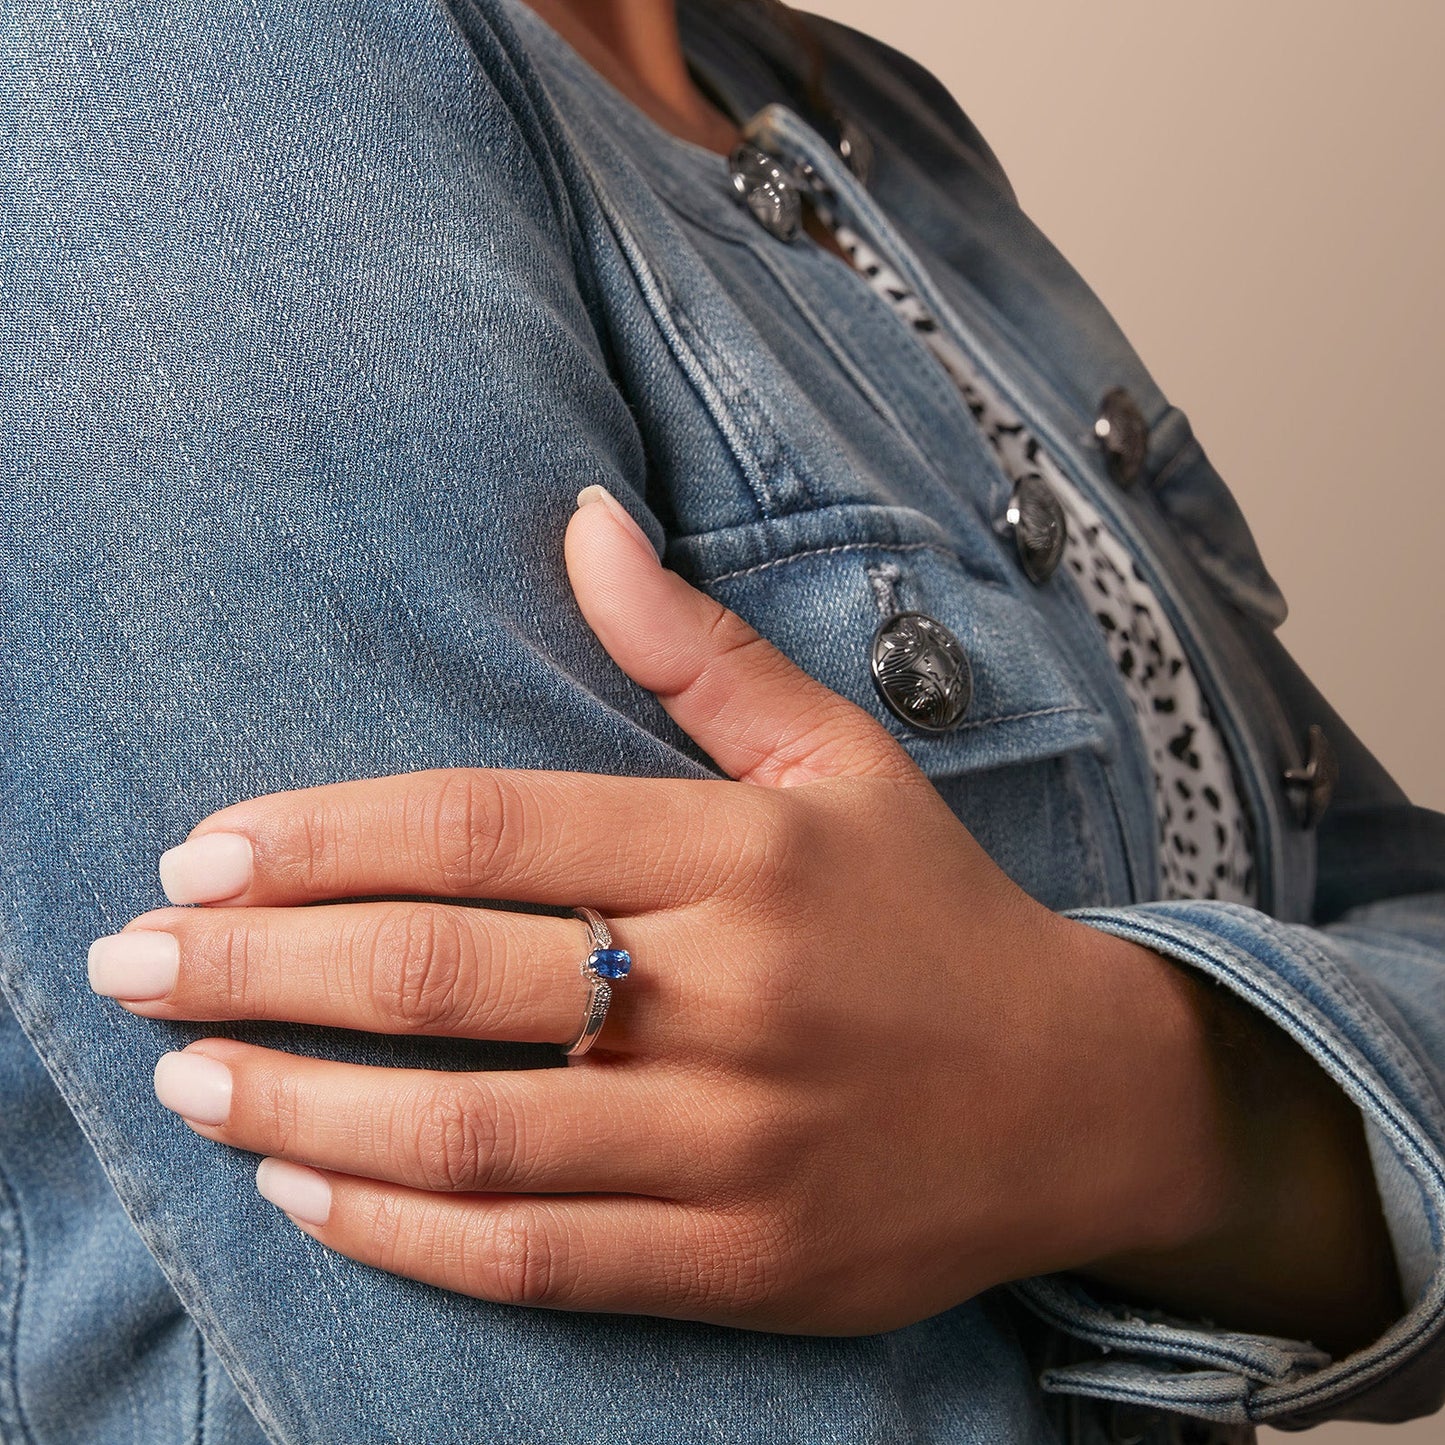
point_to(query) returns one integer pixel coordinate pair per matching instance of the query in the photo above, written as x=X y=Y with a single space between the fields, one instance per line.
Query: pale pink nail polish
x=208 y=868
x=598 y=494
x=134 y=966
x=300 y=1192
x=195 y=1087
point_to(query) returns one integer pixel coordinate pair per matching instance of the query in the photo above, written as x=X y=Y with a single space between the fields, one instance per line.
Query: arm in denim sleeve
x=1361 y=987
x=302 y=378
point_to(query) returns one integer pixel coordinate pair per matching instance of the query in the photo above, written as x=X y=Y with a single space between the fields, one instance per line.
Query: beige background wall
x=1254 y=187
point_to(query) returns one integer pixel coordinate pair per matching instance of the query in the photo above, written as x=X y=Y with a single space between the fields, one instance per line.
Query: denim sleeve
x=1365 y=996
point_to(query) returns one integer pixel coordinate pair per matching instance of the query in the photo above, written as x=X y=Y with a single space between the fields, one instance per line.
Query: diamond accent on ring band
x=609 y=962
x=600 y=1000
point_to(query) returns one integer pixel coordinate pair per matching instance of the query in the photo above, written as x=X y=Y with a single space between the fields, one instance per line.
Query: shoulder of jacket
x=861 y=61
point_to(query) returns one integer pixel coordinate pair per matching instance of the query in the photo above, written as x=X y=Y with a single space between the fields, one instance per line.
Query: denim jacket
x=318 y=317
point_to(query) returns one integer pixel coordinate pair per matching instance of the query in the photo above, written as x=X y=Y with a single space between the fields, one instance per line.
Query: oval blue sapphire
x=610 y=962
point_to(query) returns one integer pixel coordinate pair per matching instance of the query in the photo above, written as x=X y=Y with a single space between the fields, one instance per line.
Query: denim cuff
x=1337 y=994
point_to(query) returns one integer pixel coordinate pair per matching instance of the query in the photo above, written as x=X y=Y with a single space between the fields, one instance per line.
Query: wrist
x=1159 y=1163
x=1248 y=1196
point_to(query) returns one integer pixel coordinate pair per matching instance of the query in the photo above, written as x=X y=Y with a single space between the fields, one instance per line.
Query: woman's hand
x=857 y=1075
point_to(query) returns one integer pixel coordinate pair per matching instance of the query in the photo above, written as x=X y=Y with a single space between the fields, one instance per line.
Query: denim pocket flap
x=818 y=585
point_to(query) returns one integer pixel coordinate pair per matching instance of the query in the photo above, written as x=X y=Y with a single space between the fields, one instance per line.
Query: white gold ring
x=603 y=966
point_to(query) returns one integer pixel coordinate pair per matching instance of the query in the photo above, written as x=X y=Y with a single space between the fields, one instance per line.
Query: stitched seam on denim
x=176 y=1269
x=883 y=581
x=1375 y=1367
x=743 y=397
x=767 y=257
x=1100 y=1389
x=664 y=313
x=1161 y=477
x=10 y=1205
x=830 y=551
x=930 y=373
x=1169 y=1341
x=1338 y=983
x=202 y=1388
x=1101 y=1386
x=988 y=722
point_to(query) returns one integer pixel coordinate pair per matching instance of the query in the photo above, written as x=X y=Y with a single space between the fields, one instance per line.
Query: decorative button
x=921 y=672
x=853 y=146
x=1311 y=787
x=1039 y=526
x=1122 y=433
x=767 y=190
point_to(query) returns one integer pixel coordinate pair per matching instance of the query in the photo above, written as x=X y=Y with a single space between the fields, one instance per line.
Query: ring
x=602 y=967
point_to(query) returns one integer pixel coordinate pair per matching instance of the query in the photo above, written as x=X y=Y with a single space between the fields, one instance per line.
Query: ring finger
x=390 y=967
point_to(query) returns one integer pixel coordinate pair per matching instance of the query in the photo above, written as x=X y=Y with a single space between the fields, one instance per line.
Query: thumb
x=760 y=717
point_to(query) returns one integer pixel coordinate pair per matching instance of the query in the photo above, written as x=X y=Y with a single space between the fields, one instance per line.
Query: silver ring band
x=602 y=967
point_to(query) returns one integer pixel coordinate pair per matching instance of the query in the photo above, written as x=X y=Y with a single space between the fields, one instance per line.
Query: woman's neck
x=635 y=45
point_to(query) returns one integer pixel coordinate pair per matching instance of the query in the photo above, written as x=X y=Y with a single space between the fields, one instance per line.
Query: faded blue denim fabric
x=315 y=319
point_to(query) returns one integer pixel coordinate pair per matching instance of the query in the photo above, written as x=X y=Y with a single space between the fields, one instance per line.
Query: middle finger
x=385 y=967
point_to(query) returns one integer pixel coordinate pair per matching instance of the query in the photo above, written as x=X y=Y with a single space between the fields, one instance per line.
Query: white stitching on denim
x=988 y=722
x=829 y=551
x=883 y=578
x=1352 y=1379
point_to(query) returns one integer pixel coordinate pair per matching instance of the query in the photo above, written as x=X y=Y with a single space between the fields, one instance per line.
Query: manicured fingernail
x=301 y=1192
x=207 y=869
x=195 y=1087
x=134 y=966
x=626 y=520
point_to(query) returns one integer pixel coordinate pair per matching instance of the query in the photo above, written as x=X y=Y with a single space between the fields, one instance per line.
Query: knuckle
x=233 y=952
x=282 y=1113
x=526 y=1259
x=410 y=1236
x=463 y=1140
x=419 y=968
x=302 y=857
x=764 y=858
x=469 y=819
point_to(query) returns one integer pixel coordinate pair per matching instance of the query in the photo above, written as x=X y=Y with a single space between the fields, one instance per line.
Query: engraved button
x=1039 y=526
x=767 y=190
x=1311 y=786
x=1123 y=435
x=921 y=672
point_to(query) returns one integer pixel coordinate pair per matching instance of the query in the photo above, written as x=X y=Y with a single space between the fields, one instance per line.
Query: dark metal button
x=1039 y=526
x=853 y=145
x=1311 y=787
x=767 y=190
x=1122 y=433
x=921 y=672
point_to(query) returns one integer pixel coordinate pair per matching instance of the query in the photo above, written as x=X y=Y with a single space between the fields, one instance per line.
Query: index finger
x=523 y=835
